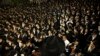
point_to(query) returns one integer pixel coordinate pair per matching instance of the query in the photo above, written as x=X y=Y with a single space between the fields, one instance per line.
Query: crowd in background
x=22 y=29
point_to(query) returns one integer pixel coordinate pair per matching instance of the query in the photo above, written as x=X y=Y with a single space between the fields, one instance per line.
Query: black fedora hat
x=53 y=46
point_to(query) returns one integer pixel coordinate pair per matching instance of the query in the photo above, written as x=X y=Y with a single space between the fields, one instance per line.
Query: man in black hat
x=53 y=46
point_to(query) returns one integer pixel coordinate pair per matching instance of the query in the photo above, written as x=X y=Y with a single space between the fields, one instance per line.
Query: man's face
x=59 y=35
x=0 y=40
x=36 y=53
x=20 y=44
x=49 y=32
x=76 y=42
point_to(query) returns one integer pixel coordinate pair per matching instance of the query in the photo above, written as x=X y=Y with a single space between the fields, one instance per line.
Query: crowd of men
x=24 y=29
